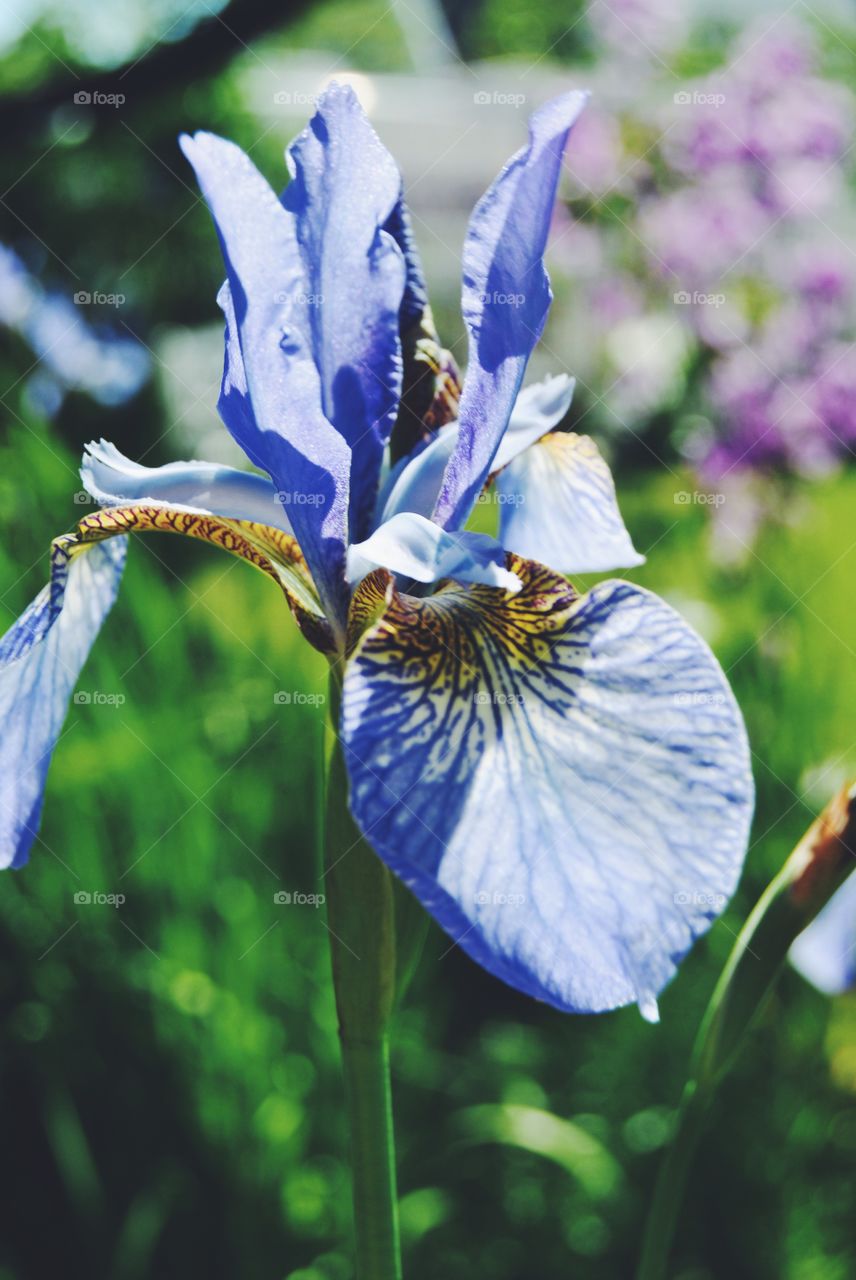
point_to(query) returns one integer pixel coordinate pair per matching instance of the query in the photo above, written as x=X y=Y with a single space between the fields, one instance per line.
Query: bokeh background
x=171 y=1098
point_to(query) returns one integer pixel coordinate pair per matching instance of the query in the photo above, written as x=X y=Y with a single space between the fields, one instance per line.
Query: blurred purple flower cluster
x=715 y=216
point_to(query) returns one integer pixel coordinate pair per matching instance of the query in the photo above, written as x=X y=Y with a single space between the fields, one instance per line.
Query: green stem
x=372 y=1159
x=361 y=916
x=816 y=869
x=671 y=1179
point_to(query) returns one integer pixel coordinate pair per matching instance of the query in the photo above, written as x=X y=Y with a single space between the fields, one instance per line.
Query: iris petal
x=41 y=657
x=415 y=548
x=112 y=479
x=506 y=297
x=276 y=553
x=539 y=407
x=415 y=485
x=271 y=395
x=825 y=953
x=557 y=504
x=42 y=654
x=563 y=781
x=345 y=187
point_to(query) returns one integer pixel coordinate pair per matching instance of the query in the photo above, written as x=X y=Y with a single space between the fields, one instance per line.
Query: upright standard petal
x=563 y=781
x=345 y=187
x=557 y=504
x=506 y=297
x=41 y=657
x=825 y=952
x=271 y=397
x=418 y=550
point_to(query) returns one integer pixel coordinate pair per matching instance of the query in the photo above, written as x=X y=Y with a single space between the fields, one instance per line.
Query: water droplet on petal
x=648 y=1008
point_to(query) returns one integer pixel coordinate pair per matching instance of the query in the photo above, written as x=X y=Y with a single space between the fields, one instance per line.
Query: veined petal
x=271 y=550
x=506 y=298
x=414 y=486
x=240 y=512
x=206 y=487
x=345 y=186
x=825 y=952
x=416 y=549
x=41 y=657
x=42 y=654
x=557 y=504
x=563 y=781
x=539 y=407
x=271 y=395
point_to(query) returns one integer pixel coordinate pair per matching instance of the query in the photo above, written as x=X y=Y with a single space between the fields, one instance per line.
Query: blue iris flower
x=562 y=779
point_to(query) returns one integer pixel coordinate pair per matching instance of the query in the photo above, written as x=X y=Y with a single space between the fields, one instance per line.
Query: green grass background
x=170 y=1066
x=170 y=1096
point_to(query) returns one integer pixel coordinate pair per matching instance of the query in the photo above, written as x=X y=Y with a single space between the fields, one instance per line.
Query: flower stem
x=818 y=866
x=668 y=1196
x=361 y=916
x=373 y=1159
